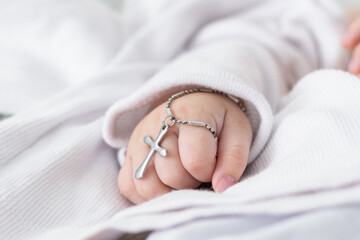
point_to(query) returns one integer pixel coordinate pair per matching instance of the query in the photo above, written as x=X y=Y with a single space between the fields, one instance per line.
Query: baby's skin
x=193 y=154
x=351 y=40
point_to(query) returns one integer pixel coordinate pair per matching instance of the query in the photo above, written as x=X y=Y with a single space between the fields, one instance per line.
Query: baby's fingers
x=233 y=150
x=197 y=148
x=352 y=36
x=170 y=169
x=150 y=186
x=126 y=183
x=354 y=66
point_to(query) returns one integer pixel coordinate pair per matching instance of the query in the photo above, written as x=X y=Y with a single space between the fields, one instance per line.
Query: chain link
x=171 y=116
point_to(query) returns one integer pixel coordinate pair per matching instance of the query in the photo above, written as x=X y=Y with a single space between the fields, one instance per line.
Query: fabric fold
x=58 y=178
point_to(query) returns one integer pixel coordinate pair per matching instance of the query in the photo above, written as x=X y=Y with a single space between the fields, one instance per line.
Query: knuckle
x=172 y=179
x=193 y=164
x=179 y=180
x=200 y=169
x=125 y=188
x=147 y=190
x=198 y=161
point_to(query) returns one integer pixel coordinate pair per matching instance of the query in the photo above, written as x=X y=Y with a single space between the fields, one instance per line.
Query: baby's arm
x=351 y=40
x=192 y=150
x=252 y=56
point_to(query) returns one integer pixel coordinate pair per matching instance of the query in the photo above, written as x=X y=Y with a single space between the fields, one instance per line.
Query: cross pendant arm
x=154 y=147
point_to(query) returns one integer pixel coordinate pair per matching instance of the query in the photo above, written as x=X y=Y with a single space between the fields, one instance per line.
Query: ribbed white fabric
x=58 y=178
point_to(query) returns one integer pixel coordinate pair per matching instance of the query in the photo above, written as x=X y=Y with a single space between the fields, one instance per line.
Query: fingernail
x=226 y=182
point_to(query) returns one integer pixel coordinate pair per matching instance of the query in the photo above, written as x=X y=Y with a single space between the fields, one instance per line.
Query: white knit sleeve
x=256 y=53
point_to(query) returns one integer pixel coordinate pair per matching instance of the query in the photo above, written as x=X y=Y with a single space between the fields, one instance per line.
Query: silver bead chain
x=171 y=116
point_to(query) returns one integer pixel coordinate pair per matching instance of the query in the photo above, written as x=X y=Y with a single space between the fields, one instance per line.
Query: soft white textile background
x=65 y=64
x=348 y=4
x=318 y=224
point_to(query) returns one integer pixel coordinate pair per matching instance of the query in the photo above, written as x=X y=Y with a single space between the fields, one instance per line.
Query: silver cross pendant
x=154 y=147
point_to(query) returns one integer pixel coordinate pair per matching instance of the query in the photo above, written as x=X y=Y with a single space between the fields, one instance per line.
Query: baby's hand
x=191 y=157
x=351 y=40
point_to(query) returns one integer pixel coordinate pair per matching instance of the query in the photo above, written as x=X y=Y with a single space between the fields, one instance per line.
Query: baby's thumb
x=233 y=150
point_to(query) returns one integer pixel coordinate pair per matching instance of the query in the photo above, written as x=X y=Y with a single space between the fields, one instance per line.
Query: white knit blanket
x=78 y=78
